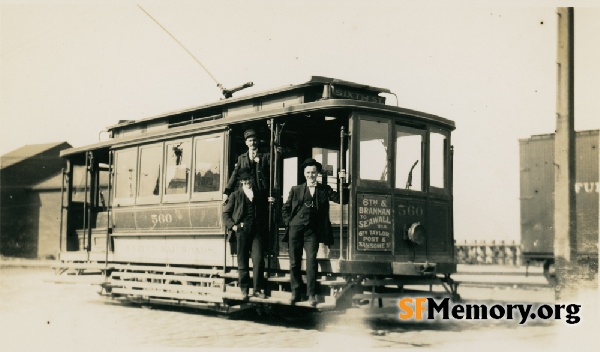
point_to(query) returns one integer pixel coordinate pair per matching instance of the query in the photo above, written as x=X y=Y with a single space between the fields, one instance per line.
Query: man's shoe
x=294 y=300
x=260 y=294
x=312 y=300
x=245 y=296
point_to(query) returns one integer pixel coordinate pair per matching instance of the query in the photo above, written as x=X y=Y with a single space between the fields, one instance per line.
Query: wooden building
x=30 y=191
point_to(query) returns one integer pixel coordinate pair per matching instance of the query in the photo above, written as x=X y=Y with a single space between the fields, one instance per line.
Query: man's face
x=310 y=172
x=252 y=143
x=247 y=184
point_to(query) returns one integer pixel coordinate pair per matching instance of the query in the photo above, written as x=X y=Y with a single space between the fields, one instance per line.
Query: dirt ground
x=38 y=314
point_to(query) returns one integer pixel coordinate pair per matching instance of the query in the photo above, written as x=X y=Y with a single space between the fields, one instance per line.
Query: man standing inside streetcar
x=253 y=160
x=245 y=213
x=306 y=215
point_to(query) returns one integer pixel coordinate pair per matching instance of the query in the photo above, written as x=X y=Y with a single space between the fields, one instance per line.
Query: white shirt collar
x=312 y=188
x=249 y=193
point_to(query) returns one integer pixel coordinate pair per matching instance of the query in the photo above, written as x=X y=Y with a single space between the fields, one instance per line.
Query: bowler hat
x=311 y=162
x=249 y=133
x=244 y=174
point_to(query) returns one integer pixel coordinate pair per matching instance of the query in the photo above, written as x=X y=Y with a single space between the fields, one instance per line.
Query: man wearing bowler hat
x=253 y=160
x=245 y=214
x=306 y=215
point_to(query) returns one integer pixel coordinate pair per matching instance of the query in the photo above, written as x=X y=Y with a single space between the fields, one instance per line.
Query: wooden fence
x=488 y=252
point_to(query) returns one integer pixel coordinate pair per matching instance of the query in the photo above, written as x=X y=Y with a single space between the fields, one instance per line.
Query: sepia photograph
x=341 y=175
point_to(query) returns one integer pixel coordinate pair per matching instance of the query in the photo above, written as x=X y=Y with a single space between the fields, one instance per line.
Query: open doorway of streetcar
x=294 y=139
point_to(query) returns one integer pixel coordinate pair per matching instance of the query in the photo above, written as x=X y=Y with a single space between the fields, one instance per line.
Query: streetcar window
x=207 y=164
x=373 y=150
x=103 y=174
x=79 y=191
x=437 y=148
x=126 y=175
x=150 y=167
x=409 y=162
x=177 y=176
x=290 y=175
x=78 y=194
x=329 y=159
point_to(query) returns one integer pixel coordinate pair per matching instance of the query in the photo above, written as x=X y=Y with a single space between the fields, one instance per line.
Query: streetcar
x=144 y=207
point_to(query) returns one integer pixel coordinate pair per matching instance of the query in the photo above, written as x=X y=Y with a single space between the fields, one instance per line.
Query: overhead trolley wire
x=183 y=46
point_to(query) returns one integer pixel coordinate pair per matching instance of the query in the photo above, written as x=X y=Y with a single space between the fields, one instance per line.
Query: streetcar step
x=167 y=269
x=281 y=298
x=80 y=268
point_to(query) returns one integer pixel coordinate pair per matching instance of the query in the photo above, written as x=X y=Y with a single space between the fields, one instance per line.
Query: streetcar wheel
x=293 y=315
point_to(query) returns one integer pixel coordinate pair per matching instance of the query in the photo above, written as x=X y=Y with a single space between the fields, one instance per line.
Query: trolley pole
x=272 y=235
x=62 y=209
x=565 y=240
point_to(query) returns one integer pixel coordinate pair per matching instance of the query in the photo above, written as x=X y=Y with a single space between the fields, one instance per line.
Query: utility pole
x=565 y=239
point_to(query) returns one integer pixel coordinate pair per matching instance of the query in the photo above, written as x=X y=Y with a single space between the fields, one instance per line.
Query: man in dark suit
x=253 y=160
x=245 y=214
x=306 y=214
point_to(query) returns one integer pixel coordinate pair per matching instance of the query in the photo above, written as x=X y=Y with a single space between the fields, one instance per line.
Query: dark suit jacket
x=323 y=194
x=260 y=170
x=235 y=211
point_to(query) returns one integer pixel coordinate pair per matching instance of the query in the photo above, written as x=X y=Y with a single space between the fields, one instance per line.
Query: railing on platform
x=488 y=252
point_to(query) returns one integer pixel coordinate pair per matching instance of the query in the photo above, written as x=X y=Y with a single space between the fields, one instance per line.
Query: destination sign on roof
x=346 y=93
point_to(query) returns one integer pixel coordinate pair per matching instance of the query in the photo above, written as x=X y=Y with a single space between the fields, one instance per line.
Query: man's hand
x=225 y=196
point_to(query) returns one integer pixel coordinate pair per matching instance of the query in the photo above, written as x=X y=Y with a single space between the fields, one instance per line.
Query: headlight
x=416 y=233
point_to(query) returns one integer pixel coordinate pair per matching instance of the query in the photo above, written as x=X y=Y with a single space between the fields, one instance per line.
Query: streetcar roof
x=220 y=120
x=314 y=81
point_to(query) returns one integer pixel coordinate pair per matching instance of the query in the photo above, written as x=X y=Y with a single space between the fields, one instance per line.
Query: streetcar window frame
x=122 y=201
x=330 y=165
x=365 y=182
x=209 y=195
x=445 y=161
x=289 y=175
x=177 y=197
x=400 y=125
x=151 y=199
x=78 y=184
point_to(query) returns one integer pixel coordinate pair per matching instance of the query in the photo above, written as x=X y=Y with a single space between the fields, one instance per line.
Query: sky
x=70 y=69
